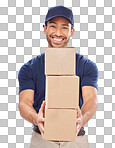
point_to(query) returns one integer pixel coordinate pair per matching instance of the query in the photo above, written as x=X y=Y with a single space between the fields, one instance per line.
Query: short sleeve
x=25 y=78
x=90 y=74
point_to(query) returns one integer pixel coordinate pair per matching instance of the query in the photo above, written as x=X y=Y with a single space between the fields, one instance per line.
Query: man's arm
x=89 y=106
x=26 y=98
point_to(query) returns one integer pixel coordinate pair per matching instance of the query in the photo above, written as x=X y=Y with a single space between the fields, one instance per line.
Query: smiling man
x=58 y=32
x=59 y=27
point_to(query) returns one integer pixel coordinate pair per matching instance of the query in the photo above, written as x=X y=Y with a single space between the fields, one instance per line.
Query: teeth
x=57 y=39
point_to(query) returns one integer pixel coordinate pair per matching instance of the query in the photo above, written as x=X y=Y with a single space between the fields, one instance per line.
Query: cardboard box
x=60 y=124
x=62 y=92
x=60 y=61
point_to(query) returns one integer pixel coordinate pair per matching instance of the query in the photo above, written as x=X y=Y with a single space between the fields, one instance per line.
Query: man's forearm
x=88 y=110
x=28 y=113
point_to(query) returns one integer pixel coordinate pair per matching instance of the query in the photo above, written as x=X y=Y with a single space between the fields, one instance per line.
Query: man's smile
x=56 y=39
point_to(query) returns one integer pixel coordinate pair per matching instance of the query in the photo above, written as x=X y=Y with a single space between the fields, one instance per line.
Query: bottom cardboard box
x=60 y=124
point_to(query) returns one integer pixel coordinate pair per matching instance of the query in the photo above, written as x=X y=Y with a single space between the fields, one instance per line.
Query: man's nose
x=58 y=32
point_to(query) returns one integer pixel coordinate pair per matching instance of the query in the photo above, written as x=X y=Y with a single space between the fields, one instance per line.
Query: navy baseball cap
x=60 y=11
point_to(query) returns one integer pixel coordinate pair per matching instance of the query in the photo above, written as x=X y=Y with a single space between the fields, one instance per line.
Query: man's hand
x=79 y=121
x=41 y=119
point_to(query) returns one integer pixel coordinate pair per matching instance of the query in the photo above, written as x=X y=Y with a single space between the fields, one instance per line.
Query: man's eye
x=52 y=26
x=65 y=28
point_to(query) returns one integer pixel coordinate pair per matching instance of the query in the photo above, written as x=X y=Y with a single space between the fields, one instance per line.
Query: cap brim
x=57 y=16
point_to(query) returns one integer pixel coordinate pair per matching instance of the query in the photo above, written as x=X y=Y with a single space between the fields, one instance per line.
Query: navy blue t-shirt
x=32 y=76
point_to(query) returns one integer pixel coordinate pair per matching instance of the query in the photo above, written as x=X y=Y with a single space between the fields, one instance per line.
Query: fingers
x=42 y=135
x=77 y=129
x=41 y=128
x=41 y=119
x=78 y=121
x=78 y=112
x=77 y=132
x=43 y=106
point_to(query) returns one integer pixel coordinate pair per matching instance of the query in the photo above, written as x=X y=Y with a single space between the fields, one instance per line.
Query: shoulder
x=90 y=68
x=85 y=63
x=35 y=61
x=82 y=59
x=31 y=65
x=88 y=71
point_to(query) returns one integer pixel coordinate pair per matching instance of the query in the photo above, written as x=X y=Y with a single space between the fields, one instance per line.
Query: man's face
x=58 y=32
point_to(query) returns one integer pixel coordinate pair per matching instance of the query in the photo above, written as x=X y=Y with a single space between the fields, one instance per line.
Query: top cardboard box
x=60 y=61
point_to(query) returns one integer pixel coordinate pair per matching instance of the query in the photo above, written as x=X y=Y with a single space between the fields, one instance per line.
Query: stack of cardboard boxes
x=61 y=94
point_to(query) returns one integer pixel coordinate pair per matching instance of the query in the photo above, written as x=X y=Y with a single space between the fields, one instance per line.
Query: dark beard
x=64 y=45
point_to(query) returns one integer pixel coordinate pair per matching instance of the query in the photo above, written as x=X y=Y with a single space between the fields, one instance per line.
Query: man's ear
x=45 y=29
x=72 y=32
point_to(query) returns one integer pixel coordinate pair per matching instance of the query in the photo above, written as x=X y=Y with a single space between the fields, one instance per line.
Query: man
x=59 y=27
